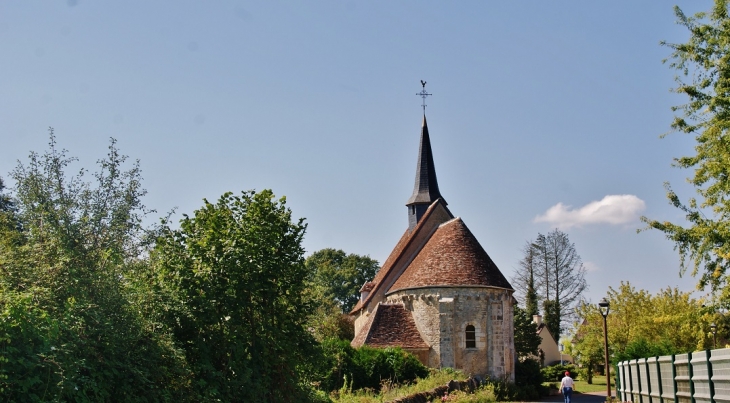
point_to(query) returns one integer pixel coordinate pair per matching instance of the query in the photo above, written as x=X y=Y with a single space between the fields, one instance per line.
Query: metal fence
x=699 y=377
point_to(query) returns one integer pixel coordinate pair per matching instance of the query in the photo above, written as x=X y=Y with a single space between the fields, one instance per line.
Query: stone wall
x=438 y=216
x=442 y=314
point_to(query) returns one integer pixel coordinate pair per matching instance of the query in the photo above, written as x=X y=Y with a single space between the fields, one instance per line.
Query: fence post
x=659 y=377
x=639 y=380
x=691 y=374
x=674 y=380
x=631 y=380
x=648 y=379
x=709 y=376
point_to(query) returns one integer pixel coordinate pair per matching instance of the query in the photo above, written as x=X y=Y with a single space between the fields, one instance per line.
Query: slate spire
x=426 y=188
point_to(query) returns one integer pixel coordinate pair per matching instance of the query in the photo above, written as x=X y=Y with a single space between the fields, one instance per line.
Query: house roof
x=451 y=257
x=396 y=255
x=391 y=325
x=426 y=187
x=543 y=326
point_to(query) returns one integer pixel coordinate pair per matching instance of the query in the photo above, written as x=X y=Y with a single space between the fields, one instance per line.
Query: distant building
x=549 y=348
x=439 y=295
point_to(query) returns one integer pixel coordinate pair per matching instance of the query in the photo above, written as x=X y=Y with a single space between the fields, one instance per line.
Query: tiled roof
x=452 y=257
x=367 y=286
x=390 y=325
x=394 y=256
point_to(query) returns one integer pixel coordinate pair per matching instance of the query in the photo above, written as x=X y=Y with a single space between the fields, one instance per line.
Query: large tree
x=236 y=272
x=340 y=275
x=525 y=280
x=552 y=272
x=669 y=320
x=703 y=63
x=73 y=320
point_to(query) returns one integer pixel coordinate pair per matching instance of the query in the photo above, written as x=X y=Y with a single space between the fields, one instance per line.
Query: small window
x=471 y=339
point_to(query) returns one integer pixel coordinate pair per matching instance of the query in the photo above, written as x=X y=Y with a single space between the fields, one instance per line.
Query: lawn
x=581 y=386
x=598 y=385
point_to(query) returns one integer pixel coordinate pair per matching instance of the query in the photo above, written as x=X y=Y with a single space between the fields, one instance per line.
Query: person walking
x=566 y=387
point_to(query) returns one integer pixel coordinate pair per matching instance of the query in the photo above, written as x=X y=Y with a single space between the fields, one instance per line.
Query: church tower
x=439 y=295
x=426 y=188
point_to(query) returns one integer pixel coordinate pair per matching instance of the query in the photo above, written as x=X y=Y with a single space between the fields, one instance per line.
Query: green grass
x=436 y=378
x=581 y=386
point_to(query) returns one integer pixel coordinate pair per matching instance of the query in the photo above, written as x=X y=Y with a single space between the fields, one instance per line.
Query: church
x=439 y=295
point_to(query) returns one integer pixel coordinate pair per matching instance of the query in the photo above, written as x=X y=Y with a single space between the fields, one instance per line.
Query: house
x=438 y=294
x=549 y=347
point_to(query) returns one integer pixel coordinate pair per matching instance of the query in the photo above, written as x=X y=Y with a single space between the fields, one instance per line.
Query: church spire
x=426 y=188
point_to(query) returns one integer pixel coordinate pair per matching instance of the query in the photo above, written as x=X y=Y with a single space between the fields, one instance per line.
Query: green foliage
x=235 y=272
x=366 y=367
x=704 y=244
x=6 y=203
x=528 y=380
x=340 y=275
x=640 y=323
x=642 y=348
x=327 y=321
x=552 y=317
x=557 y=372
x=551 y=272
x=71 y=328
x=588 y=347
x=527 y=341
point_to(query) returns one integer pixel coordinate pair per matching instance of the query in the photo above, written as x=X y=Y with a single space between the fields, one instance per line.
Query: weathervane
x=423 y=95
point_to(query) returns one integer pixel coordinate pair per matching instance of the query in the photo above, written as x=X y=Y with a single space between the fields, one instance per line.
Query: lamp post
x=561 y=347
x=604 y=306
x=713 y=328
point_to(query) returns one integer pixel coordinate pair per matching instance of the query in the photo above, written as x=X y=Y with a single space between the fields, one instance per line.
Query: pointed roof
x=426 y=188
x=391 y=325
x=396 y=257
x=451 y=257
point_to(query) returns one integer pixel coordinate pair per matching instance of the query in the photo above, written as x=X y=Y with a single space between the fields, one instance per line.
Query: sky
x=543 y=115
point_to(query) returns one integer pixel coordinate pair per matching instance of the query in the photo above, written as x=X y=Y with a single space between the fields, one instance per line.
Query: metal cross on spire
x=423 y=95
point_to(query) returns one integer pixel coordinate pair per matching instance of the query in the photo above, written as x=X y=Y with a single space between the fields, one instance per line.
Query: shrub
x=528 y=380
x=557 y=372
x=366 y=367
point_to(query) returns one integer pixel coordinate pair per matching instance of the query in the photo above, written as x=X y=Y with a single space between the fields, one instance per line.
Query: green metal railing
x=699 y=377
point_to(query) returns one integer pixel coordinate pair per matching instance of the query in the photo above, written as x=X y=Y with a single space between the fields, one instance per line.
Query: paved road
x=593 y=397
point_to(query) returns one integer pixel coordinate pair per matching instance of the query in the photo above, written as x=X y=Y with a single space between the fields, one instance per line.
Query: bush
x=366 y=367
x=528 y=380
x=557 y=372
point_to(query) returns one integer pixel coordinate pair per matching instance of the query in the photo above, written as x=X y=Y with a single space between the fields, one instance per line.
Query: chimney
x=537 y=319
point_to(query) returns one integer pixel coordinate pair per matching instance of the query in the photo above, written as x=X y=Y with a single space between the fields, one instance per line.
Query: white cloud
x=590 y=266
x=612 y=209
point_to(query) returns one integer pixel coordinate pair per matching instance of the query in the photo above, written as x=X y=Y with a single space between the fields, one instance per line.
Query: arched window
x=471 y=339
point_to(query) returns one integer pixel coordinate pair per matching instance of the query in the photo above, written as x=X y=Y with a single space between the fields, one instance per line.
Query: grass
x=436 y=378
x=581 y=386
x=599 y=385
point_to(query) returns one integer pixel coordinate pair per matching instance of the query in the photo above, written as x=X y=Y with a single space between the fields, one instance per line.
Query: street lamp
x=604 y=306
x=713 y=328
x=561 y=347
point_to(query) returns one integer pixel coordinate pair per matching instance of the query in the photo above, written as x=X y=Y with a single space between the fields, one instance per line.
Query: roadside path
x=589 y=397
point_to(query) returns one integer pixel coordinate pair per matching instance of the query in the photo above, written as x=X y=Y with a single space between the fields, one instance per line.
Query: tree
x=527 y=341
x=524 y=279
x=640 y=323
x=341 y=275
x=588 y=342
x=552 y=259
x=72 y=325
x=236 y=272
x=5 y=203
x=703 y=63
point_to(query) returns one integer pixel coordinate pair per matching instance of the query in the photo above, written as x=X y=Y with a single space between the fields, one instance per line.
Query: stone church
x=439 y=295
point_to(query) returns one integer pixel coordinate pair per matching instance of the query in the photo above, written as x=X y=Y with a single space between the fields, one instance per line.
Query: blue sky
x=543 y=114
